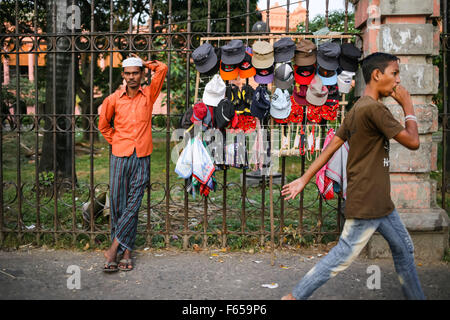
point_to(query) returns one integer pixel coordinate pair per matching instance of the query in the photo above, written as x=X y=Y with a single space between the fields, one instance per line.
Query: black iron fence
x=55 y=164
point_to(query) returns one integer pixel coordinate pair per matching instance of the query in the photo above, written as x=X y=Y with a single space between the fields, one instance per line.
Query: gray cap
x=284 y=50
x=260 y=26
x=283 y=75
x=327 y=55
x=233 y=52
x=204 y=58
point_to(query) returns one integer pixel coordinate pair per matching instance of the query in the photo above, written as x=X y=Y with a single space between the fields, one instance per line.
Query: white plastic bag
x=202 y=165
x=184 y=163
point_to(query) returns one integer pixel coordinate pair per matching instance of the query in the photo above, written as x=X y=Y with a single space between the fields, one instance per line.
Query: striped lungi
x=128 y=180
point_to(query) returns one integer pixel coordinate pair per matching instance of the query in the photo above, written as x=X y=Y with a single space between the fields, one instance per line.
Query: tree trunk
x=57 y=143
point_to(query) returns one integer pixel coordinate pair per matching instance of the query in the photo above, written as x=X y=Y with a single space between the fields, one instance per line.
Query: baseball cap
x=283 y=75
x=246 y=70
x=263 y=56
x=204 y=58
x=214 y=91
x=224 y=113
x=246 y=98
x=348 y=60
x=317 y=93
x=305 y=53
x=264 y=76
x=333 y=92
x=280 y=106
x=232 y=94
x=344 y=81
x=233 y=52
x=259 y=26
x=299 y=94
x=199 y=112
x=327 y=55
x=228 y=71
x=260 y=103
x=328 y=77
x=304 y=74
x=284 y=50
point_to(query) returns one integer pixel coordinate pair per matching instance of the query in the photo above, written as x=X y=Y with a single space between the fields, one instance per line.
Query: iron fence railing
x=67 y=202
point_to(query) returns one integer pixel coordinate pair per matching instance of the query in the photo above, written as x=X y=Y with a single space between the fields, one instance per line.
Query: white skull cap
x=132 y=62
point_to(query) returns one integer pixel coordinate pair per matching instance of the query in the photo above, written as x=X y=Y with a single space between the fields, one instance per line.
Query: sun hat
x=348 y=60
x=304 y=74
x=283 y=75
x=263 y=56
x=317 y=93
x=228 y=71
x=246 y=69
x=132 y=62
x=204 y=58
x=260 y=103
x=327 y=55
x=328 y=77
x=233 y=52
x=216 y=68
x=284 y=50
x=214 y=91
x=280 y=106
x=305 y=53
x=344 y=81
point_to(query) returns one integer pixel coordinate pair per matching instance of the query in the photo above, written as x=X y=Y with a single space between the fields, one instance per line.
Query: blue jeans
x=354 y=237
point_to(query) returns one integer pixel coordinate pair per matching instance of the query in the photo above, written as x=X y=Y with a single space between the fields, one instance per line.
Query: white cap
x=132 y=62
x=214 y=91
x=344 y=81
x=280 y=106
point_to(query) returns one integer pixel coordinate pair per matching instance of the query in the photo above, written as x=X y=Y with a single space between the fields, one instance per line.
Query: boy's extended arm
x=291 y=190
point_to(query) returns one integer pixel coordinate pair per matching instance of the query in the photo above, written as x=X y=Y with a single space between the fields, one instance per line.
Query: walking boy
x=367 y=127
x=131 y=141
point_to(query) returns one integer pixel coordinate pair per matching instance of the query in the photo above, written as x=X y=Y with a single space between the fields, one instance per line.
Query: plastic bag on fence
x=202 y=165
x=184 y=164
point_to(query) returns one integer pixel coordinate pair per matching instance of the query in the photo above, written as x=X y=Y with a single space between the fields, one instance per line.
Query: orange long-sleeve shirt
x=132 y=116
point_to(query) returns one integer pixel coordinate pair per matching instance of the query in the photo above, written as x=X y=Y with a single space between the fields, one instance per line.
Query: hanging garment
x=324 y=183
x=337 y=168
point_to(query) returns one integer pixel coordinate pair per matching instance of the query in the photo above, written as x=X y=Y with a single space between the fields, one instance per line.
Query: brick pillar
x=404 y=28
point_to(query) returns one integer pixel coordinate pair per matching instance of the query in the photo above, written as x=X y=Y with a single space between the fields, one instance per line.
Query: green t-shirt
x=367 y=127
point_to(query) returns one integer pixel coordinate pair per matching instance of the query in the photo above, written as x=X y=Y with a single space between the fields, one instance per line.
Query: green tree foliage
x=336 y=22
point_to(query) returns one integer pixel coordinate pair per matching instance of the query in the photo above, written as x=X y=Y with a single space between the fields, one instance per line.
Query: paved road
x=213 y=275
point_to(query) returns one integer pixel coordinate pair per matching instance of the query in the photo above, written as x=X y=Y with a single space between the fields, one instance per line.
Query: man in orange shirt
x=131 y=141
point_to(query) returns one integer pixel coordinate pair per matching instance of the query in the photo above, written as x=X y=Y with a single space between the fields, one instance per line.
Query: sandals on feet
x=110 y=266
x=125 y=264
